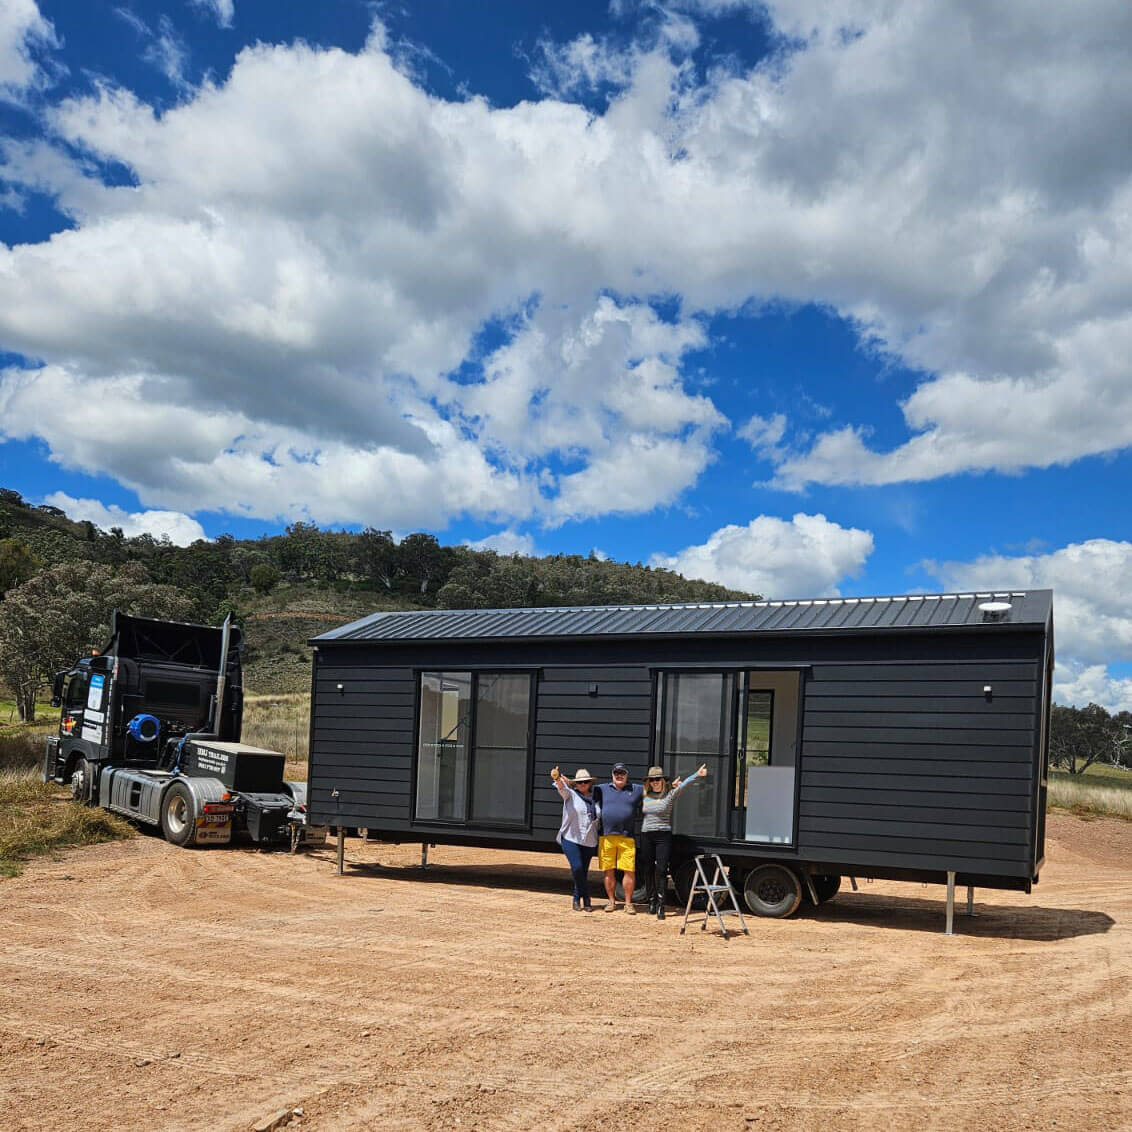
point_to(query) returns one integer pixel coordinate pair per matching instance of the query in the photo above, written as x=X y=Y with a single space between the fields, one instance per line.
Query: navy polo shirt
x=619 y=808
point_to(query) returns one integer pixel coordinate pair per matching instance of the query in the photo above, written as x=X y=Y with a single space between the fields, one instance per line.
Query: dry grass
x=37 y=818
x=281 y=723
x=1084 y=796
x=21 y=748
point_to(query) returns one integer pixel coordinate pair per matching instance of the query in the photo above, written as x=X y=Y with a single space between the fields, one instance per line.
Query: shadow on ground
x=897 y=913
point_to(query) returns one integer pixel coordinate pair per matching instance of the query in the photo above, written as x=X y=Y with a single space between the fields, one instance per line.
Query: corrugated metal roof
x=819 y=615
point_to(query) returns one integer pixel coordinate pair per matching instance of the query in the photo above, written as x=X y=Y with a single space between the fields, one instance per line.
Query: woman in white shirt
x=578 y=833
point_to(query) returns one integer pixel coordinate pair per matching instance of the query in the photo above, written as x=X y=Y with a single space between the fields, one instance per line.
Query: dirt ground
x=148 y=987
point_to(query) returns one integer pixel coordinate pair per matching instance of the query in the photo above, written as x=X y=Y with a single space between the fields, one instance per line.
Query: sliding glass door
x=743 y=725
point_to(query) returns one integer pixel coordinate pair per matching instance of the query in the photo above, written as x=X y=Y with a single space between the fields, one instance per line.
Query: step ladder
x=713 y=890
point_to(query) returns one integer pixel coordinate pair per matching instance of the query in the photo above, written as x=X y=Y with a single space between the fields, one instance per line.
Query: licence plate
x=216 y=819
x=212 y=832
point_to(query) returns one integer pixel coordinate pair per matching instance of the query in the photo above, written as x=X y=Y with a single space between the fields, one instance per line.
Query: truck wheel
x=826 y=885
x=773 y=891
x=178 y=816
x=82 y=782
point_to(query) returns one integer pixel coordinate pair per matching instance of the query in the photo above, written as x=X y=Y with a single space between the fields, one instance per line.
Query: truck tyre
x=826 y=885
x=773 y=891
x=82 y=782
x=178 y=815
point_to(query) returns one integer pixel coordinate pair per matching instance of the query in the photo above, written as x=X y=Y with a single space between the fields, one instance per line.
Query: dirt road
x=147 y=987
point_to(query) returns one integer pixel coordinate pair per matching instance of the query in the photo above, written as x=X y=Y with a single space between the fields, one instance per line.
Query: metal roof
x=1031 y=608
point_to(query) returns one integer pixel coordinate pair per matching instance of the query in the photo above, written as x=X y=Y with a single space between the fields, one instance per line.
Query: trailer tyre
x=178 y=816
x=773 y=891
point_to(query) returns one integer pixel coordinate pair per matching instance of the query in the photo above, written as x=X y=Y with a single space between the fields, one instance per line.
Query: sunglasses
x=656 y=778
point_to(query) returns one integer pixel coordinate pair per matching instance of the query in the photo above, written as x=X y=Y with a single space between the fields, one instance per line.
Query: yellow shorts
x=617 y=852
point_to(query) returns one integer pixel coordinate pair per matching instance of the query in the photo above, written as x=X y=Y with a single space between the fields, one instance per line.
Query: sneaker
x=611 y=906
x=587 y=906
x=630 y=907
x=577 y=904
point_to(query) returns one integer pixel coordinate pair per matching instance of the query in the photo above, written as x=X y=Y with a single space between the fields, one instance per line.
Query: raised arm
x=685 y=783
x=560 y=783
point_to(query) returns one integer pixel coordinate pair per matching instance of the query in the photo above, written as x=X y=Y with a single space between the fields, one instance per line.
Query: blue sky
x=806 y=298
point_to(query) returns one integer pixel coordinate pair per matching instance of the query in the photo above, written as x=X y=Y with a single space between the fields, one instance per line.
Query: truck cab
x=150 y=728
x=133 y=702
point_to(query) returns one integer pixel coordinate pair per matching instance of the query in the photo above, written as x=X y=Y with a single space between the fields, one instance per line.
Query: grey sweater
x=657 y=808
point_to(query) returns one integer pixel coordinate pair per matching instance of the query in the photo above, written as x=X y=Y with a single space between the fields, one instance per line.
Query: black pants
x=653 y=854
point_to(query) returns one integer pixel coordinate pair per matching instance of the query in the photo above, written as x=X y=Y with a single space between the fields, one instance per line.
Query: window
x=473 y=747
x=744 y=726
x=76 y=692
x=764 y=789
x=695 y=722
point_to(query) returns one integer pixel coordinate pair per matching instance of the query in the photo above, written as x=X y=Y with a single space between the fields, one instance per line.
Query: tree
x=422 y=558
x=375 y=555
x=1080 y=737
x=17 y=564
x=263 y=577
x=52 y=619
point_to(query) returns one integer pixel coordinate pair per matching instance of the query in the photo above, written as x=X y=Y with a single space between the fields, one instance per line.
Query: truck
x=149 y=728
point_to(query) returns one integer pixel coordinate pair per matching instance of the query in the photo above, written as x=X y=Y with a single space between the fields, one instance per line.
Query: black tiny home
x=899 y=737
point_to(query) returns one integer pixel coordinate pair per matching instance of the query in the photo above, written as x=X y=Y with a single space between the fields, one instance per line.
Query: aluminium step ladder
x=713 y=890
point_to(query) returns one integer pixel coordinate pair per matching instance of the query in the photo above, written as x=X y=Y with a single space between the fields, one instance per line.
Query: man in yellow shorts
x=616 y=849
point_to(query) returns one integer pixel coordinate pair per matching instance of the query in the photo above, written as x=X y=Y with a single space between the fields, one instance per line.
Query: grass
x=281 y=723
x=1099 y=790
x=37 y=818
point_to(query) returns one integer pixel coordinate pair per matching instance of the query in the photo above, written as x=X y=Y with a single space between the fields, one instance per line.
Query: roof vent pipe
x=995 y=610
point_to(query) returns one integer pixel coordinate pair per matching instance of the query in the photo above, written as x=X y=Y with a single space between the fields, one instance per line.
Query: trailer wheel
x=773 y=891
x=826 y=885
x=82 y=782
x=178 y=822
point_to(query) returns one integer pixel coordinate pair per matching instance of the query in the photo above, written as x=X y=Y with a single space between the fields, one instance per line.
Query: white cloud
x=223 y=11
x=1080 y=685
x=950 y=178
x=1092 y=615
x=803 y=557
x=506 y=543
x=177 y=527
x=22 y=29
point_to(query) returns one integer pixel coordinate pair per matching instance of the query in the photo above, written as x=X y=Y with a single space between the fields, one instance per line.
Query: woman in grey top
x=656 y=833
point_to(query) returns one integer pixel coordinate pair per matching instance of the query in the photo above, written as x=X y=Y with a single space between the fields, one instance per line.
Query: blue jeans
x=579 y=857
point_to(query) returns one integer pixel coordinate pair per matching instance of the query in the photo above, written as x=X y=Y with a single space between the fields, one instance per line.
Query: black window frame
x=524 y=824
x=742 y=675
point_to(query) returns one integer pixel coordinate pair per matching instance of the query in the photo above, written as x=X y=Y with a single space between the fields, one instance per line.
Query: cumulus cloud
x=1092 y=617
x=952 y=178
x=174 y=525
x=22 y=30
x=505 y=542
x=805 y=556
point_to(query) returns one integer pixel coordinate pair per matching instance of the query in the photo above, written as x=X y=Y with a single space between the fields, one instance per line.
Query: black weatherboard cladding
x=905 y=762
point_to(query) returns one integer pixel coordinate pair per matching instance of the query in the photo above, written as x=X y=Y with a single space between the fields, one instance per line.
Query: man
x=616 y=848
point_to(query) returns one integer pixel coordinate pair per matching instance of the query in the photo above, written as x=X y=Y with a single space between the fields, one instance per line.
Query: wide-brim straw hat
x=583 y=775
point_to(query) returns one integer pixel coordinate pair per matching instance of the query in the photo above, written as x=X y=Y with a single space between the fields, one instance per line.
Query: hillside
x=284 y=589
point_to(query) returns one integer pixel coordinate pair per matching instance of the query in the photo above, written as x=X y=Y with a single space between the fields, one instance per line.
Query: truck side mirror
x=57 y=689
